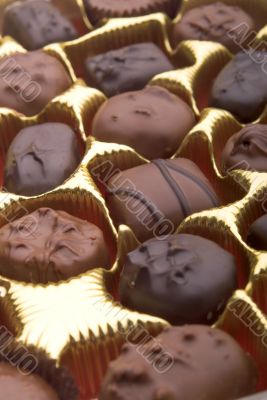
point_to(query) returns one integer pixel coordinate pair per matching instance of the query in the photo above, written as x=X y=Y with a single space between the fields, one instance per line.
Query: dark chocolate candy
x=36 y=23
x=213 y=22
x=40 y=158
x=176 y=279
x=48 y=245
x=17 y=385
x=183 y=363
x=241 y=86
x=28 y=81
x=246 y=149
x=257 y=235
x=152 y=121
x=99 y=9
x=153 y=199
x=126 y=69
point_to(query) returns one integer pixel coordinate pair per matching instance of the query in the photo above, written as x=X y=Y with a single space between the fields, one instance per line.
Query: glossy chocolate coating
x=176 y=279
x=15 y=385
x=241 y=87
x=126 y=69
x=257 y=235
x=246 y=149
x=47 y=246
x=183 y=363
x=40 y=158
x=213 y=22
x=36 y=23
x=152 y=121
x=28 y=81
x=99 y=9
x=153 y=199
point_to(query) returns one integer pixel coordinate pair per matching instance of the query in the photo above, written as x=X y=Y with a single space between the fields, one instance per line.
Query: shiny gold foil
x=80 y=322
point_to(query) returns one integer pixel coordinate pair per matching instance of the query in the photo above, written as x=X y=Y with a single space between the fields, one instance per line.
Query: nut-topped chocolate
x=125 y=69
x=176 y=279
x=152 y=121
x=48 y=246
x=99 y=9
x=36 y=23
x=182 y=363
x=15 y=385
x=40 y=158
x=246 y=149
x=241 y=86
x=153 y=199
x=28 y=81
x=213 y=22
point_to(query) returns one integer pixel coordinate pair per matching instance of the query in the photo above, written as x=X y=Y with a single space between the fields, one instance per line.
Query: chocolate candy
x=213 y=22
x=126 y=69
x=257 y=235
x=152 y=121
x=176 y=279
x=153 y=199
x=47 y=246
x=15 y=385
x=185 y=363
x=99 y=9
x=36 y=23
x=241 y=86
x=40 y=158
x=29 y=81
x=247 y=149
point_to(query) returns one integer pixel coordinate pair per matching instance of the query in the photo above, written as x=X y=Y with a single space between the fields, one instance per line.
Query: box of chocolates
x=133 y=206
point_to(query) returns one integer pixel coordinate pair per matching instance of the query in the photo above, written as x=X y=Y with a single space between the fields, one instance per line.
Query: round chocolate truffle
x=257 y=234
x=99 y=9
x=247 y=149
x=28 y=81
x=154 y=198
x=15 y=385
x=152 y=121
x=213 y=22
x=176 y=279
x=241 y=86
x=40 y=158
x=182 y=363
x=47 y=246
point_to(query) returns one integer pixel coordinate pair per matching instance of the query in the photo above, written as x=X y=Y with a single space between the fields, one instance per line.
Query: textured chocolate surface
x=207 y=365
x=36 y=23
x=98 y=9
x=241 y=87
x=247 y=149
x=176 y=279
x=154 y=198
x=15 y=385
x=213 y=22
x=152 y=121
x=40 y=158
x=126 y=69
x=49 y=245
x=257 y=235
x=29 y=81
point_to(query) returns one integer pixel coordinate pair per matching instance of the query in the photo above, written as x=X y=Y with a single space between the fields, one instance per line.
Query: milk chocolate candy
x=49 y=246
x=153 y=199
x=184 y=363
x=152 y=121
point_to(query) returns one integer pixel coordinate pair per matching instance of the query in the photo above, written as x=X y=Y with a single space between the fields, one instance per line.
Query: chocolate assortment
x=133 y=199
